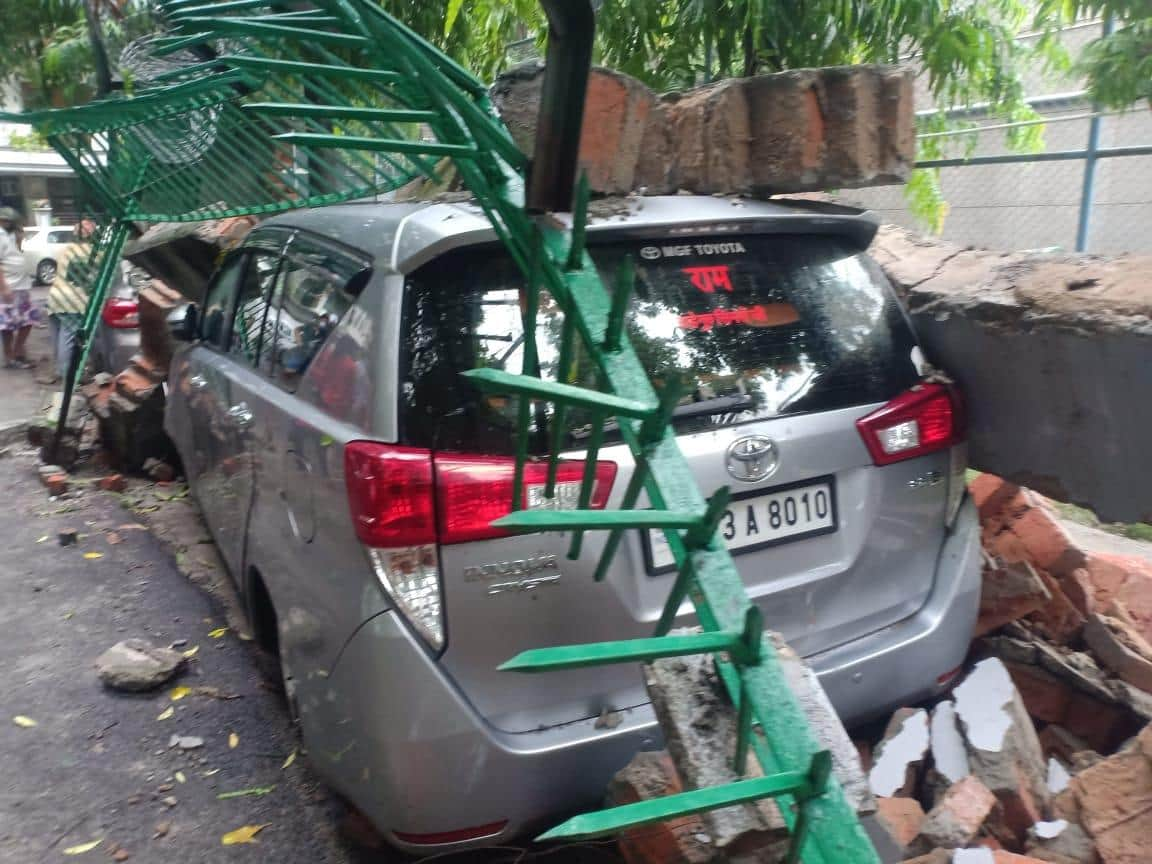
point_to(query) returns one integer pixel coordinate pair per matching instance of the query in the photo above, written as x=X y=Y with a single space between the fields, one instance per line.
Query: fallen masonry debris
x=137 y=664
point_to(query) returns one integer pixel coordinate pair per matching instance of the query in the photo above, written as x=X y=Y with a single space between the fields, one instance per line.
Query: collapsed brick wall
x=1051 y=351
x=802 y=130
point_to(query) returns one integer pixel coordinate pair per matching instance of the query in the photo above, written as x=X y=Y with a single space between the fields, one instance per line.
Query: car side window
x=253 y=305
x=61 y=237
x=313 y=300
x=220 y=300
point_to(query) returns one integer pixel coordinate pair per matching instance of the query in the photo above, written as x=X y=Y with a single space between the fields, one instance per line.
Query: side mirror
x=182 y=322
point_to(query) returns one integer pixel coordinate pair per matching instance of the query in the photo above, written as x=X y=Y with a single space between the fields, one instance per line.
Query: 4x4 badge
x=752 y=458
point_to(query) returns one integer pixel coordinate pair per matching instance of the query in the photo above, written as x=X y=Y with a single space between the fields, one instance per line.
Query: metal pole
x=1088 y=190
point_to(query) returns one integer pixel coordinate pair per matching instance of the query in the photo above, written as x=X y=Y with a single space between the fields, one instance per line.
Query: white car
x=42 y=246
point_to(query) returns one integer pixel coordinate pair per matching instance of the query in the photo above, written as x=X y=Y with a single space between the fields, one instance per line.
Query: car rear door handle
x=241 y=414
x=198 y=382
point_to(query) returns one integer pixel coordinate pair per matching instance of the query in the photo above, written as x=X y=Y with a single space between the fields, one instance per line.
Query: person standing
x=68 y=300
x=17 y=314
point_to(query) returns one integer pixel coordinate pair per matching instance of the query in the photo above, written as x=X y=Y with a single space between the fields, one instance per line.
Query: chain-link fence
x=1090 y=188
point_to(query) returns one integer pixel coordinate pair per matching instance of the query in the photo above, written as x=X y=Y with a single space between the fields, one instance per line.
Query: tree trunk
x=99 y=52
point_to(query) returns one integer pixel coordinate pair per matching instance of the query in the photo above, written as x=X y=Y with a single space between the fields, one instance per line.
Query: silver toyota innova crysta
x=349 y=475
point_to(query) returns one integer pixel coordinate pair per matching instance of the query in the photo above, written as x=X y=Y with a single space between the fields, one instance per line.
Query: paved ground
x=1095 y=540
x=97 y=765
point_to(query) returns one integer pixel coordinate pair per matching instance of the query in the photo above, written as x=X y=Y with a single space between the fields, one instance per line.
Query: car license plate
x=764 y=519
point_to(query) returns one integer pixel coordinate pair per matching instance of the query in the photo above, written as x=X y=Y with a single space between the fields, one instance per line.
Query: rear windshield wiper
x=704 y=408
x=718 y=405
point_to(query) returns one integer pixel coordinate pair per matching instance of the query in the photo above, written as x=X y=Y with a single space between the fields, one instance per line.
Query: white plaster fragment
x=948 y=751
x=1050 y=830
x=1058 y=777
x=981 y=703
x=889 y=772
x=981 y=855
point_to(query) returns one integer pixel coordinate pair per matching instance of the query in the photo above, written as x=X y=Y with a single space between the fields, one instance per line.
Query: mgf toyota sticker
x=652 y=253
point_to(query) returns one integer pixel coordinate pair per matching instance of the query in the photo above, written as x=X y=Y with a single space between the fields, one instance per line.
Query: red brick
x=956 y=820
x=113 y=483
x=1059 y=742
x=653 y=775
x=901 y=818
x=1058 y=619
x=1102 y=725
x=1081 y=593
x=1115 y=797
x=989 y=492
x=57 y=483
x=1009 y=592
x=1120 y=647
x=1049 y=546
x=1045 y=696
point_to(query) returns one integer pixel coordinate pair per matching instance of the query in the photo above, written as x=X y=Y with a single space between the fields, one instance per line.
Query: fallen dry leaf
x=233 y=740
x=180 y=778
x=242 y=793
x=287 y=762
x=166 y=713
x=42 y=539
x=67 y=616
x=162 y=829
x=211 y=773
x=121 y=855
x=21 y=720
x=245 y=834
x=191 y=652
x=82 y=848
x=114 y=538
x=218 y=632
x=92 y=555
x=178 y=693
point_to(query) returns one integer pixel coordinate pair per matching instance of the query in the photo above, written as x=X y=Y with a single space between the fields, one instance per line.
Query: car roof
x=403 y=236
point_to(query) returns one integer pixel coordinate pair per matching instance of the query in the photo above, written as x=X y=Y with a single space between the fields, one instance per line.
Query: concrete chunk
x=1004 y=751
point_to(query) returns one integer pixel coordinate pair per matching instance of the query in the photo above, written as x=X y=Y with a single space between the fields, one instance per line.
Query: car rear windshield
x=753 y=327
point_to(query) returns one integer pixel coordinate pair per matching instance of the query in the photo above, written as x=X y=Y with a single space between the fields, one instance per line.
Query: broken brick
x=901 y=818
x=899 y=755
x=1115 y=801
x=1104 y=726
x=113 y=483
x=1008 y=592
x=1004 y=751
x=653 y=775
x=57 y=484
x=956 y=820
x=1057 y=741
x=1119 y=646
x=1048 y=544
x=1058 y=619
x=1045 y=696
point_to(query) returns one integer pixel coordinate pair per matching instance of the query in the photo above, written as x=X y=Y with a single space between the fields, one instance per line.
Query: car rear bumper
x=911 y=660
x=392 y=732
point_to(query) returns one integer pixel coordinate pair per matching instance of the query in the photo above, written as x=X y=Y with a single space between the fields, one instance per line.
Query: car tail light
x=121 y=314
x=405 y=501
x=926 y=419
x=475 y=490
x=460 y=835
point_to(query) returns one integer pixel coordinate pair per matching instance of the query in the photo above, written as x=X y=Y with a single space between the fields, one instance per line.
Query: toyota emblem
x=752 y=458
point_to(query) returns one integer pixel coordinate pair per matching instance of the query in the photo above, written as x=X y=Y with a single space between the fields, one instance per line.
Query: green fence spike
x=351 y=73
x=356 y=142
x=621 y=293
x=592 y=520
x=529 y=303
x=631 y=494
x=579 y=223
x=625 y=651
x=816 y=784
x=664 y=808
x=588 y=481
x=246 y=27
x=498 y=381
x=702 y=534
x=560 y=415
x=342 y=112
